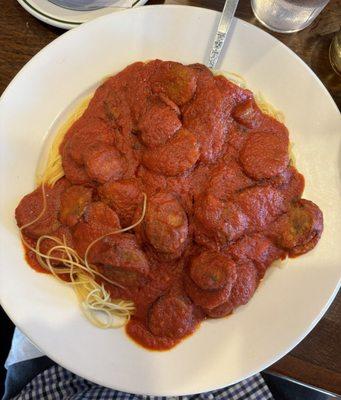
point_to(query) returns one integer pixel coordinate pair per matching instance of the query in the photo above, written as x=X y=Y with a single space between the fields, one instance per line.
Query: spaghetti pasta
x=77 y=272
x=94 y=299
x=53 y=170
x=216 y=169
x=263 y=104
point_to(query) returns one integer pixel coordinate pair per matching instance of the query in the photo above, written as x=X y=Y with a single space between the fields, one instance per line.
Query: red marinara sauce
x=223 y=199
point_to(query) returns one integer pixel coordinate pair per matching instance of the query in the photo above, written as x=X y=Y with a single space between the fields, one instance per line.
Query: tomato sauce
x=31 y=258
x=223 y=198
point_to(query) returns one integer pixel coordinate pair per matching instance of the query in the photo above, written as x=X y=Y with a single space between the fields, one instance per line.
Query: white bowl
x=289 y=301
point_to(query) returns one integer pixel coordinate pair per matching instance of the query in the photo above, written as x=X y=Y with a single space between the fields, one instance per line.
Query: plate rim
x=61 y=23
x=209 y=10
x=331 y=298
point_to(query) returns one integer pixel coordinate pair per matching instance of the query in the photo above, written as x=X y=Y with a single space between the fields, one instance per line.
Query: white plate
x=290 y=300
x=68 y=19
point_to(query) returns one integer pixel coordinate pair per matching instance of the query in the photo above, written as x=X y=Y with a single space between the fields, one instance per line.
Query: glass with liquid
x=287 y=15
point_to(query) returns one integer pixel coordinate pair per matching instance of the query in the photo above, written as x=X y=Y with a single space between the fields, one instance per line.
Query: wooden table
x=317 y=359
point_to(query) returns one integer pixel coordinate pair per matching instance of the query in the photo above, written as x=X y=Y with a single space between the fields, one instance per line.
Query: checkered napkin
x=57 y=383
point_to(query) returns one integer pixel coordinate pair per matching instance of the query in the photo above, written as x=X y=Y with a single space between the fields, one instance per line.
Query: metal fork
x=222 y=30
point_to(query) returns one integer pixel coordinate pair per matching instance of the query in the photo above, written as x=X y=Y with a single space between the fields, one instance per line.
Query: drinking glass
x=335 y=52
x=287 y=15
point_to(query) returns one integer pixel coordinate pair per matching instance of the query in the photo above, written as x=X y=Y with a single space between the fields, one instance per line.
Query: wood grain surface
x=317 y=359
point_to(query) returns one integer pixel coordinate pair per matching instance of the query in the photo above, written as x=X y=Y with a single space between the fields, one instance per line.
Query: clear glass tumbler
x=287 y=15
x=335 y=52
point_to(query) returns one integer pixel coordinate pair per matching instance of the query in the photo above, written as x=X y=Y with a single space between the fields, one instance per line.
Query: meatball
x=211 y=270
x=158 y=124
x=301 y=228
x=104 y=163
x=122 y=261
x=166 y=225
x=31 y=206
x=248 y=114
x=99 y=220
x=178 y=155
x=74 y=200
x=123 y=196
x=176 y=81
x=171 y=316
x=265 y=154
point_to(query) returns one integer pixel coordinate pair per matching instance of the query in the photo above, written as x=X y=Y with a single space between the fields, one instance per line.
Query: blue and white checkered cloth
x=57 y=383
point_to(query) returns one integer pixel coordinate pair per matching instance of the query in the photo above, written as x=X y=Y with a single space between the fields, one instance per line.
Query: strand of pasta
x=121 y=230
x=92 y=296
x=94 y=299
x=263 y=104
x=53 y=170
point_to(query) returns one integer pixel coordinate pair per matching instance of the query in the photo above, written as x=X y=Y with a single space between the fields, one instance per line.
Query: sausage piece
x=290 y=182
x=104 y=163
x=99 y=219
x=122 y=261
x=80 y=138
x=178 y=155
x=261 y=204
x=123 y=196
x=248 y=114
x=208 y=299
x=32 y=205
x=245 y=284
x=219 y=220
x=221 y=311
x=166 y=225
x=242 y=291
x=74 y=200
x=74 y=172
x=204 y=116
x=232 y=93
x=176 y=81
x=158 y=124
x=211 y=270
x=258 y=249
x=265 y=154
x=301 y=228
x=171 y=316
x=227 y=178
